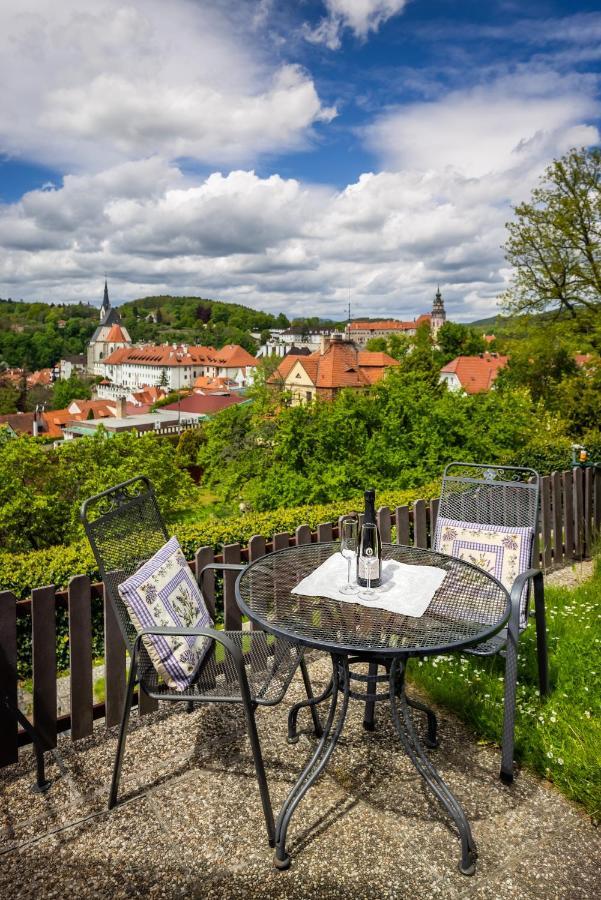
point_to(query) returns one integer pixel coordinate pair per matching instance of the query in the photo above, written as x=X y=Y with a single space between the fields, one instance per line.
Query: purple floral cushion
x=164 y=593
x=502 y=550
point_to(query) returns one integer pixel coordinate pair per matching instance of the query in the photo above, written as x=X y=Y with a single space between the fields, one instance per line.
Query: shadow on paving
x=190 y=821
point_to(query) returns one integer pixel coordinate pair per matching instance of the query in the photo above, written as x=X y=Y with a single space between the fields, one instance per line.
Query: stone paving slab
x=190 y=824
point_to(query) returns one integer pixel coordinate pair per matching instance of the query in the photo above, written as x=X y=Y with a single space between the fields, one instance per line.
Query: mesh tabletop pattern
x=469 y=606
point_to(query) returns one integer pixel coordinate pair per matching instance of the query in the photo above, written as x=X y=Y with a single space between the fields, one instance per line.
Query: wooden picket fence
x=569 y=523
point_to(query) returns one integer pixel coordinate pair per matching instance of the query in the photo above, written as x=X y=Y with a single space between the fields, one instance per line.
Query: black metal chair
x=125 y=529
x=505 y=496
x=497 y=496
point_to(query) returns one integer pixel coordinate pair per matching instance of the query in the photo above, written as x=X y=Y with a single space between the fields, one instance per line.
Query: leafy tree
x=539 y=363
x=579 y=397
x=68 y=389
x=41 y=488
x=377 y=345
x=554 y=242
x=455 y=339
x=8 y=398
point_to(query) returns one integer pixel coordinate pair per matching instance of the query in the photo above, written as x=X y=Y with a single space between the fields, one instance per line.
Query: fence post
x=420 y=525
x=588 y=511
x=232 y=617
x=568 y=513
x=578 y=514
x=281 y=540
x=80 y=656
x=401 y=516
x=204 y=556
x=385 y=524
x=545 y=502
x=303 y=535
x=557 y=519
x=325 y=532
x=8 y=677
x=43 y=626
x=434 y=506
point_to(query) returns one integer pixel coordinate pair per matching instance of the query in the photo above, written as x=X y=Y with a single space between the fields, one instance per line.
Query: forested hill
x=196 y=320
x=37 y=335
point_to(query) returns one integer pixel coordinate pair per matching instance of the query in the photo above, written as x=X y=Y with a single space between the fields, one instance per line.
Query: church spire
x=106 y=303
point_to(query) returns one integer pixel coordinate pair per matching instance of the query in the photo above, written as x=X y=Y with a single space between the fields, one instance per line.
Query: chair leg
x=511 y=678
x=131 y=682
x=251 y=726
x=41 y=783
x=317 y=729
x=541 y=635
x=370 y=705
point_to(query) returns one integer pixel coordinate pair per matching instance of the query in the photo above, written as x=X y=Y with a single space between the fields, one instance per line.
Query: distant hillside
x=196 y=320
x=487 y=324
x=36 y=335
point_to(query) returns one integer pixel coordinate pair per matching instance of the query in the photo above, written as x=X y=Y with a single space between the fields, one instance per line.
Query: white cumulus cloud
x=360 y=16
x=95 y=84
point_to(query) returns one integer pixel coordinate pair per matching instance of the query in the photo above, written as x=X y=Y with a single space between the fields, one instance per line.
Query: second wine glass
x=348 y=549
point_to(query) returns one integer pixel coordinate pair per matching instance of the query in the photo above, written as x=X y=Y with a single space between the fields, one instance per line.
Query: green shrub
x=20 y=572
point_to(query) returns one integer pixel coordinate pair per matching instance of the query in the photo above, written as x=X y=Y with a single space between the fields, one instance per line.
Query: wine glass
x=348 y=549
x=370 y=562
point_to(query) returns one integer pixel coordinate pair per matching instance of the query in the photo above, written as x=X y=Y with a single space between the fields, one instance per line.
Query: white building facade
x=175 y=367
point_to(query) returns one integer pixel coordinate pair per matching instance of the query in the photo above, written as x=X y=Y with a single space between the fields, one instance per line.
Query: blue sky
x=282 y=154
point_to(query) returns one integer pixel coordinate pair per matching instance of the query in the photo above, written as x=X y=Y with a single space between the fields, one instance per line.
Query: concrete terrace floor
x=191 y=822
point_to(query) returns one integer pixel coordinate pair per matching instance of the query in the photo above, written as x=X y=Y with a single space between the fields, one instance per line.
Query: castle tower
x=439 y=316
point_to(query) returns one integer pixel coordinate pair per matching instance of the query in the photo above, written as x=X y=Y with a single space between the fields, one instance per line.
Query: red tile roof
x=116 y=336
x=205 y=384
x=204 y=404
x=231 y=356
x=389 y=324
x=341 y=365
x=475 y=373
x=22 y=423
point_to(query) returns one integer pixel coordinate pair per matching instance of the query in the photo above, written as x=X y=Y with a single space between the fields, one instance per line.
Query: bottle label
x=369 y=567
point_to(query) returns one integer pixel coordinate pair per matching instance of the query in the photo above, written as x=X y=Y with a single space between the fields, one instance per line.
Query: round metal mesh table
x=468 y=608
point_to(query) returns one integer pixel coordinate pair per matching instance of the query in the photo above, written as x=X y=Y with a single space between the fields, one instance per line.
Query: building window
x=308 y=396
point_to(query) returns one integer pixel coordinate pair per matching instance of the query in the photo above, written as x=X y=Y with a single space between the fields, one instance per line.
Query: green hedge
x=20 y=572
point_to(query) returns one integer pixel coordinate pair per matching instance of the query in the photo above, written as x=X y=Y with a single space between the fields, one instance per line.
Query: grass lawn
x=559 y=737
x=205 y=505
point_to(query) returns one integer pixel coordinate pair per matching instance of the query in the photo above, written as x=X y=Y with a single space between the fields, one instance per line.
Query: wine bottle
x=369 y=551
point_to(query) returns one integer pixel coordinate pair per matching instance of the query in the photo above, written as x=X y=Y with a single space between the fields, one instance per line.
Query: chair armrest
x=517 y=588
x=211 y=633
x=220 y=567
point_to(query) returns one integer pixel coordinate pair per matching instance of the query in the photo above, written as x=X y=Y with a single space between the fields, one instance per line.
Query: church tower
x=106 y=303
x=109 y=336
x=438 y=315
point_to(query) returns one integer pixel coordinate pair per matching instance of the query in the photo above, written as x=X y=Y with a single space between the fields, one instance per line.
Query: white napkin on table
x=406 y=590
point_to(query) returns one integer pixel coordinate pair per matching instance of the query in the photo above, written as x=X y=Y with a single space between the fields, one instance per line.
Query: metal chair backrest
x=125 y=529
x=490 y=495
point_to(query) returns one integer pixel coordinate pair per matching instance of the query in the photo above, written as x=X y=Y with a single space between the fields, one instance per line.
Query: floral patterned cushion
x=164 y=593
x=502 y=550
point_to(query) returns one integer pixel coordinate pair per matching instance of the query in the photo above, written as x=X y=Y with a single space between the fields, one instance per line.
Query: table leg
x=318 y=761
x=311 y=702
x=406 y=732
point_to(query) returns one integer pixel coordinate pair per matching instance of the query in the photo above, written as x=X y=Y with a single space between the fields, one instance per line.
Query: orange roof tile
x=389 y=324
x=116 y=336
x=230 y=356
x=475 y=373
x=340 y=365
